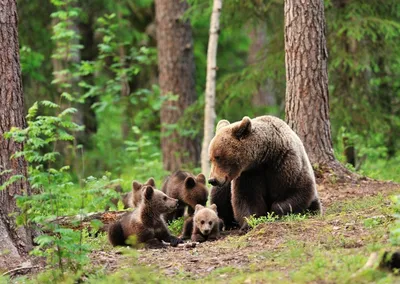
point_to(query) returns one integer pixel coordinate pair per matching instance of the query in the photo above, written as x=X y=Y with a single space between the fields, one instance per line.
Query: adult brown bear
x=266 y=165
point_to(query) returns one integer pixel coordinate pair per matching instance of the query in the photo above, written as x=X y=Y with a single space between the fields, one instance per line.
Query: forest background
x=96 y=112
x=101 y=58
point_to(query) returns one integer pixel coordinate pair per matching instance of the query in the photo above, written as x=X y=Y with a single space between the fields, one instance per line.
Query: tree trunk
x=176 y=77
x=307 y=97
x=209 y=109
x=258 y=51
x=14 y=242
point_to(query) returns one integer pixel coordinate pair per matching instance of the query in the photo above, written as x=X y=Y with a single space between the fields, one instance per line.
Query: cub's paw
x=198 y=238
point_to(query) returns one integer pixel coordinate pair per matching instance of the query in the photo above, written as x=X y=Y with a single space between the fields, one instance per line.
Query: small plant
x=295 y=217
x=176 y=226
x=255 y=221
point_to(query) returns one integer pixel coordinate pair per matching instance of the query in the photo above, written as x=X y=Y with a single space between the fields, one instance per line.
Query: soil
x=194 y=263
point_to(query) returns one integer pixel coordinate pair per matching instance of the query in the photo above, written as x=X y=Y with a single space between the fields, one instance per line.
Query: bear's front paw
x=175 y=241
x=244 y=229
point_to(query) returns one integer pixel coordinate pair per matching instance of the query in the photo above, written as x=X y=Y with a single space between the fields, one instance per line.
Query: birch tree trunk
x=209 y=109
x=14 y=242
x=176 y=77
x=307 y=96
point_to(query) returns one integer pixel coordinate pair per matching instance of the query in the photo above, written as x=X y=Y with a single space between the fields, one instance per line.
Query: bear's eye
x=210 y=223
x=217 y=158
x=202 y=222
x=165 y=198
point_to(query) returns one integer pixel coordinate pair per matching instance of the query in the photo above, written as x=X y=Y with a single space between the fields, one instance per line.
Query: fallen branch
x=85 y=221
x=12 y=271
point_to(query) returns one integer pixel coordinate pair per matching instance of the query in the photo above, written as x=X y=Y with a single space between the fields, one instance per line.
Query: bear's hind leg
x=298 y=203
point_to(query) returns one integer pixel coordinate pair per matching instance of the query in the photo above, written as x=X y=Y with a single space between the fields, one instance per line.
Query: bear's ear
x=136 y=185
x=214 y=208
x=148 y=192
x=201 y=178
x=190 y=182
x=198 y=208
x=222 y=123
x=243 y=129
x=151 y=182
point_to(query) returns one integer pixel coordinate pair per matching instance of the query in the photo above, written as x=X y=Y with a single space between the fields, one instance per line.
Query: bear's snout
x=213 y=181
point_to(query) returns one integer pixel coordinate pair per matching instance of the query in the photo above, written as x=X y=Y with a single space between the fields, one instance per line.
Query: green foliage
x=62 y=246
x=176 y=226
x=126 y=108
x=255 y=221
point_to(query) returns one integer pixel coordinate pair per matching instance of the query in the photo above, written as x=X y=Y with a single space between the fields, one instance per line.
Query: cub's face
x=137 y=190
x=227 y=152
x=196 y=190
x=205 y=219
x=159 y=201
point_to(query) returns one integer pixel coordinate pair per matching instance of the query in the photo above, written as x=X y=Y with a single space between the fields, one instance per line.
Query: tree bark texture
x=209 y=109
x=307 y=97
x=176 y=77
x=14 y=242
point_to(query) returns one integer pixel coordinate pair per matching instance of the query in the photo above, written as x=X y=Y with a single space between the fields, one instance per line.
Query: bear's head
x=205 y=219
x=229 y=152
x=196 y=191
x=157 y=201
x=137 y=190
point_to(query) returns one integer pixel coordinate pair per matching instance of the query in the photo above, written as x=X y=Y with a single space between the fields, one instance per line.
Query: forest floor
x=320 y=249
x=331 y=248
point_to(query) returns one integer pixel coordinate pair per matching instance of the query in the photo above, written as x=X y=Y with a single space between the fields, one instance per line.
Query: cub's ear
x=201 y=178
x=222 y=123
x=136 y=186
x=243 y=129
x=190 y=182
x=214 y=208
x=148 y=192
x=198 y=208
x=151 y=182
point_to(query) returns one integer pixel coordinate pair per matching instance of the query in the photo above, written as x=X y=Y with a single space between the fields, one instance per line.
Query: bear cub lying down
x=146 y=222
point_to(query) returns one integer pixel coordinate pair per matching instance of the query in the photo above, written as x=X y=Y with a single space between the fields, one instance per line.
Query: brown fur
x=206 y=224
x=222 y=197
x=145 y=222
x=190 y=190
x=266 y=165
x=133 y=198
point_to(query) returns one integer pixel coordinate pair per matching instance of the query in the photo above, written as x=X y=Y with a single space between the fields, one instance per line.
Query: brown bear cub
x=146 y=222
x=190 y=190
x=265 y=164
x=206 y=224
x=133 y=198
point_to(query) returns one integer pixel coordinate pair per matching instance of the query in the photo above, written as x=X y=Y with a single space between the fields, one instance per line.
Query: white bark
x=209 y=109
